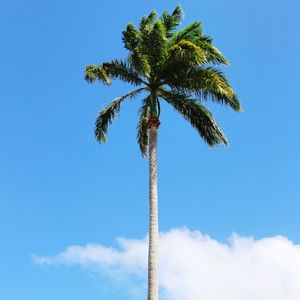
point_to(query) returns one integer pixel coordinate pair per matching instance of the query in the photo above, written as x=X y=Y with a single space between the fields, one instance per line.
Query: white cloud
x=194 y=266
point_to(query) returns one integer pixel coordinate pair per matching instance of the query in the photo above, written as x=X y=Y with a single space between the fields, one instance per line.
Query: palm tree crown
x=177 y=67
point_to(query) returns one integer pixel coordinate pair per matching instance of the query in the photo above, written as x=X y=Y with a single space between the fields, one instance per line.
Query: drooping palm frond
x=194 y=34
x=108 y=114
x=205 y=83
x=116 y=69
x=93 y=72
x=197 y=115
x=142 y=127
x=213 y=55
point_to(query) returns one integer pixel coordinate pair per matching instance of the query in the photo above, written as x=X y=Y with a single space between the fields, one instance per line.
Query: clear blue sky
x=58 y=187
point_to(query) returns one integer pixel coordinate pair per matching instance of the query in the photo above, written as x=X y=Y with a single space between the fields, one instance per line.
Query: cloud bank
x=194 y=266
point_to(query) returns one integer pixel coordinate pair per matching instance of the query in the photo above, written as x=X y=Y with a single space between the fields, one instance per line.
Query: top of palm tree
x=180 y=68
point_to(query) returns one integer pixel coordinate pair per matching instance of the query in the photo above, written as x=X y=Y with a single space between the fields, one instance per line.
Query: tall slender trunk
x=153 y=224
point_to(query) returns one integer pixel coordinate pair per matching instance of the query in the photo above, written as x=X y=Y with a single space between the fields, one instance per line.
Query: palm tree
x=179 y=68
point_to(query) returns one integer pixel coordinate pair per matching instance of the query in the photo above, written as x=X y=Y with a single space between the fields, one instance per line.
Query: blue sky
x=58 y=187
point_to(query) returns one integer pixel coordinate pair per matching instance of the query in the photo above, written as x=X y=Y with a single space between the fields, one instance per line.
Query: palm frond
x=122 y=70
x=140 y=63
x=181 y=57
x=93 y=72
x=172 y=21
x=131 y=37
x=147 y=22
x=132 y=42
x=142 y=127
x=108 y=114
x=213 y=55
x=194 y=34
x=214 y=86
x=188 y=33
x=197 y=115
x=185 y=53
x=154 y=45
x=177 y=14
x=205 y=83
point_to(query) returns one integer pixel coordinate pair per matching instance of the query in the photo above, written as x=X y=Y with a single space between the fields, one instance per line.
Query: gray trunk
x=153 y=224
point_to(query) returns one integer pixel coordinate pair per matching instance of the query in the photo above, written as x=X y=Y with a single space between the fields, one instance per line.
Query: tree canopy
x=181 y=68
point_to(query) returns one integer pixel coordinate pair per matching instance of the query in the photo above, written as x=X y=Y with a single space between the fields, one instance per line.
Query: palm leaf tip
x=90 y=75
x=172 y=21
x=148 y=21
x=93 y=73
x=130 y=37
x=178 y=13
x=235 y=104
x=239 y=106
x=105 y=118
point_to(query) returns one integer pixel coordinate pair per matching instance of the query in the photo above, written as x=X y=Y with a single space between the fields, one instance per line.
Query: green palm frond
x=205 y=83
x=140 y=63
x=194 y=34
x=142 y=127
x=108 y=114
x=93 y=72
x=214 y=85
x=185 y=53
x=118 y=69
x=154 y=45
x=190 y=33
x=213 y=55
x=147 y=22
x=197 y=115
x=136 y=58
x=172 y=21
x=131 y=37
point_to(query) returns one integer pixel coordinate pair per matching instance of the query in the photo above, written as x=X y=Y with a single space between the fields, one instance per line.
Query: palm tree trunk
x=153 y=224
